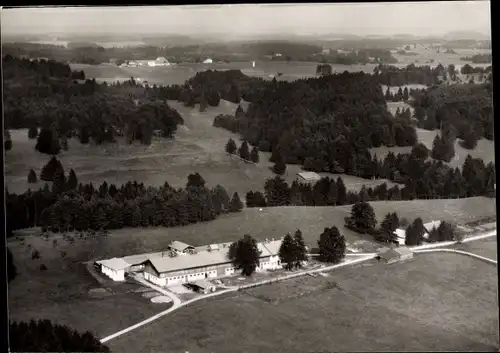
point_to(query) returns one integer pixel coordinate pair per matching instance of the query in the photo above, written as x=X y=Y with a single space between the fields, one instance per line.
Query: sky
x=432 y=18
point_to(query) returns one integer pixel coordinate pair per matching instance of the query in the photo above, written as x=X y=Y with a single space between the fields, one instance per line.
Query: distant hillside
x=473 y=35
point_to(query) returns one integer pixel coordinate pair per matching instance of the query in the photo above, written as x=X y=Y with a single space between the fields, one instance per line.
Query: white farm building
x=208 y=61
x=428 y=227
x=397 y=254
x=114 y=268
x=183 y=263
x=308 y=177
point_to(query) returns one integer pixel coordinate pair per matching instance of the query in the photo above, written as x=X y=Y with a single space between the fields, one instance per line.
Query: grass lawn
x=486 y=247
x=485 y=149
x=414 y=306
x=61 y=294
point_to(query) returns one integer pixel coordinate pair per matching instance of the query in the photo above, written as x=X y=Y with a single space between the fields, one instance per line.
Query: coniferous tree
x=362 y=217
x=387 y=228
x=32 y=177
x=287 y=252
x=231 y=146
x=236 y=205
x=405 y=94
x=332 y=245
x=300 y=253
x=254 y=155
x=245 y=255
x=279 y=164
x=72 y=180
x=244 y=151
x=195 y=180
x=341 y=192
x=48 y=142
x=415 y=233
x=32 y=133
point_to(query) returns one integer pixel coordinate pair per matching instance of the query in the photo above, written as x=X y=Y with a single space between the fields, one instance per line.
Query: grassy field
x=414 y=306
x=486 y=247
x=268 y=223
x=485 y=149
x=64 y=294
x=197 y=147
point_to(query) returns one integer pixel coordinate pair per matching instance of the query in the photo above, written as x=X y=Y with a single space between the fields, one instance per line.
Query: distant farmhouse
x=184 y=263
x=308 y=177
x=208 y=61
x=160 y=61
x=401 y=233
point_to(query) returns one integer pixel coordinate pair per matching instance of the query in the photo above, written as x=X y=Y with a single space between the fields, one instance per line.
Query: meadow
x=487 y=248
x=413 y=306
x=196 y=147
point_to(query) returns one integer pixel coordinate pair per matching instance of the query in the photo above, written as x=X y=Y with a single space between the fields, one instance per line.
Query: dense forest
x=355 y=57
x=72 y=206
x=467 y=108
x=329 y=122
x=394 y=76
x=39 y=93
x=44 y=336
x=422 y=180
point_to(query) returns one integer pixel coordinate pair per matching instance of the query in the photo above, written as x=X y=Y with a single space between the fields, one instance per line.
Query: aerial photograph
x=250 y=178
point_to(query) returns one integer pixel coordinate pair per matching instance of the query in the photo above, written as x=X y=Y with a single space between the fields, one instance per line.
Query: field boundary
x=466 y=253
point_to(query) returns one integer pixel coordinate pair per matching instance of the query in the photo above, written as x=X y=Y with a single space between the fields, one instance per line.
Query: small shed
x=114 y=268
x=401 y=236
x=308 y=177
x=397 y=254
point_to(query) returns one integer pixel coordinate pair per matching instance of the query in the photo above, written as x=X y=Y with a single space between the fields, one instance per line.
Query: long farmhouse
x=183 y=263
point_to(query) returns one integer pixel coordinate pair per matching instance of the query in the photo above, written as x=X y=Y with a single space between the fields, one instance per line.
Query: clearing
x=487 y=247
x=197 y=147
x=413 y=306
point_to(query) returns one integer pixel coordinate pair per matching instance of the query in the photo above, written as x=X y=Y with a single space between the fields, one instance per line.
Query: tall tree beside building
x=415 y=233
x=236 y=205
x=287 y=252
x=300 y=253
x=231 y=146
x=387 y=228
x=406 y=95
x=245 y=255
x=279 y=163
x=220 y=199
x=332 y=245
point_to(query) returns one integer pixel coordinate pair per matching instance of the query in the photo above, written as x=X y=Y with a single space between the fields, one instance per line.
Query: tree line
x=422 y=179
x=478 y=58
x=70 y=205
x=243 y=151
x=390 y=75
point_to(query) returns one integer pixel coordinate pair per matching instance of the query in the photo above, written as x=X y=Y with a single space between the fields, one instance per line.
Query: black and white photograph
x=250 y=178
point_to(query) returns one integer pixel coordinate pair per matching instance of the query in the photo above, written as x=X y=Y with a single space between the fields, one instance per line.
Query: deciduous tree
x=245 y=255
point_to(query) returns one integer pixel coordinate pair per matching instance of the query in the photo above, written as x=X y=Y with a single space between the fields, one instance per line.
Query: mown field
x=414 y=306
x=273 y=222
x=487 y=247
x=63 y=293
x=197 y=147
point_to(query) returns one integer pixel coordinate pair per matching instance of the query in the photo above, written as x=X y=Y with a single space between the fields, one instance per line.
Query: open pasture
x=196 y=147
x=486 y=247
x=272 y=222
x=413 y=306
x=66 y=293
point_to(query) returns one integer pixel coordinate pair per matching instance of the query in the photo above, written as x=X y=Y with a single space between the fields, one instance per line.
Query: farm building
x=429 y=227
x=398 y=254
x=401 y=235
x=203 y=286
x=308 y=177
x=183 y=263
x=114 y=268
x=198 y=265
x=208 y=61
